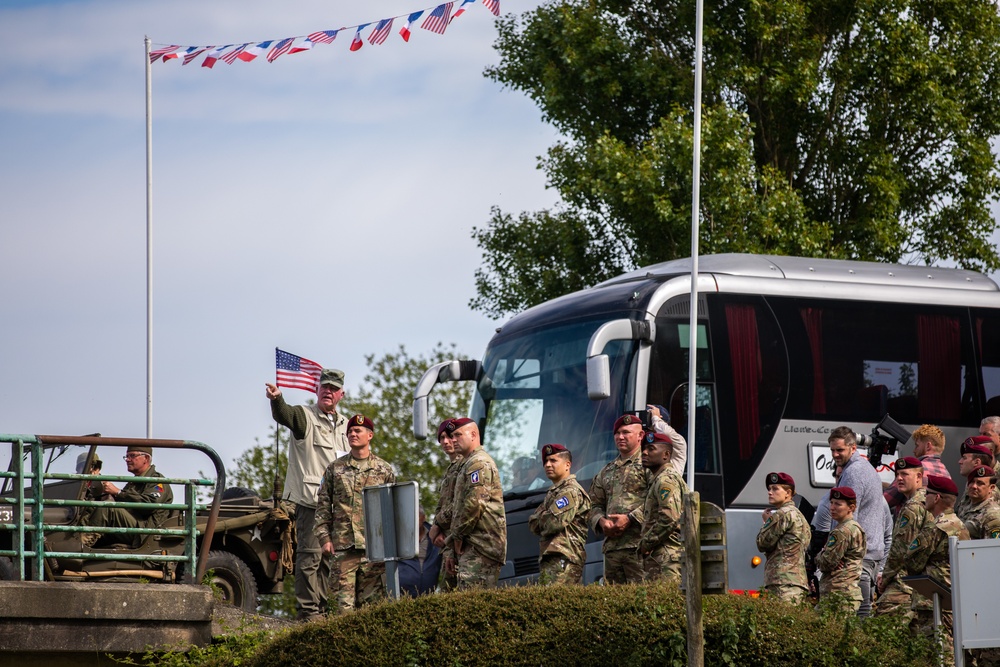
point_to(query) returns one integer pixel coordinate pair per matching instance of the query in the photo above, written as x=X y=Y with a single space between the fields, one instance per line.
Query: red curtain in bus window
x=939 y=375
x=812 y=318
x=744 y=353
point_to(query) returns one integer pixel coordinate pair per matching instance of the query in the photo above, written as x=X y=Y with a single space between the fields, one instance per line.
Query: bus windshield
x=533 y=391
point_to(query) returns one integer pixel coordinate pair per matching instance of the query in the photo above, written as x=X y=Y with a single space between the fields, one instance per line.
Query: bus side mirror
x=420 y=418
x=598 y=377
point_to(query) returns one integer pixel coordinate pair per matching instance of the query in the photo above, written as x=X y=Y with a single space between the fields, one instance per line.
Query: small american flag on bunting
x=438 y=19
x=493 y=6
x=380 y=32
x=294 y=372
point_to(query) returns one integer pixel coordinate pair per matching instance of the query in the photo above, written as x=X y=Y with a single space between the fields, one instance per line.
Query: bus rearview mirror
x=598 y=377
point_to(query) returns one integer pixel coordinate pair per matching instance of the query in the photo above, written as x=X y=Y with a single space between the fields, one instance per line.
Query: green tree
x=254 y=468
x=843 y=128
x=386 y=396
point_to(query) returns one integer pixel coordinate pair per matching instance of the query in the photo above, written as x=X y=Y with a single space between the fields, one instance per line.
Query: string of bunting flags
x=437 y=21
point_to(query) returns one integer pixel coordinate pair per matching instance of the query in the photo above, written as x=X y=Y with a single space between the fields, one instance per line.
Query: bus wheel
x=232 y=581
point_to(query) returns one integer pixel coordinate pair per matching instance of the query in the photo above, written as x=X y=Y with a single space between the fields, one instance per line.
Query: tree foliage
x=838 y=128
x=255 y=468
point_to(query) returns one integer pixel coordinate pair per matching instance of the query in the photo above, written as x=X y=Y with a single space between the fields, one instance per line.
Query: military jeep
x=249 y=551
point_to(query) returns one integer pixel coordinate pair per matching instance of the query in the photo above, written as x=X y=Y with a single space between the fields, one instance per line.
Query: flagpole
x=149 y=244
x=695 y=224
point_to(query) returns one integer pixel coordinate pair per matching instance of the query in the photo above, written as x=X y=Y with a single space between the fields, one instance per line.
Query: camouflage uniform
x=443 y=515
x=561 y=524
x=977 y=516
x=840 y=563
x=783 y=539
x=928 y=554
x=896 y=597
x=964 y=504
x=479 y=521
x=661 y=535
x=340 y=520
x=620 y=488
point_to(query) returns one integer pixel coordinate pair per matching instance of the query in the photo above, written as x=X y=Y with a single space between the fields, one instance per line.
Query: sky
x=322 y=203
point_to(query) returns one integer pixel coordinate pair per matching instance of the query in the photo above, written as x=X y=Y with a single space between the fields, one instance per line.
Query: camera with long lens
x=884 y=438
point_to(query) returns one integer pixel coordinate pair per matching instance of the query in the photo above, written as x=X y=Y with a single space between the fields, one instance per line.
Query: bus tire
x=232 y=581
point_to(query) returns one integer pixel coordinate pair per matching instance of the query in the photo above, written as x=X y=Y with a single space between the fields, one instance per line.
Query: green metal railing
x=19 y=527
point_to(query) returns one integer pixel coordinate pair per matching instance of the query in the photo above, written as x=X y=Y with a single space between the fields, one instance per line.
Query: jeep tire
x=232 y=580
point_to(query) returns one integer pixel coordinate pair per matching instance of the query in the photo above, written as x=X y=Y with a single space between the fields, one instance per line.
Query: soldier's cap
x=361 y=420
x=455 y=424
x=332 y=376
x=552 y=448
x=977 y=449
x=142 y=449
x=976 y=440
x=981 y=471
x=941 y=484
x=626 y=420
x=780 y=478
x=908 y=462
x=664 y=413
x=843 y=493
x=652 y=436
x=443 y=428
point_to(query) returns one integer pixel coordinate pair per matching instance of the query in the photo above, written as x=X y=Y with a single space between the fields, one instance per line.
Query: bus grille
x=525 y=566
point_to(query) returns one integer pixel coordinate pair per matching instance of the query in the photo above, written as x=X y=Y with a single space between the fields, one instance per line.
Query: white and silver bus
x=788 y=349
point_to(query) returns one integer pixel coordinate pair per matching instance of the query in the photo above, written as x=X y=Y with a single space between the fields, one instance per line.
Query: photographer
x=862 y=478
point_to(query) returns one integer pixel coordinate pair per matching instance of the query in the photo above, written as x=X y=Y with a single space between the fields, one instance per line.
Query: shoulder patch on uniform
x=913 y=544
x=832 y=540
x=664 y=493
x=768 y=522
x=474 y=477
x=562 y=503
x=994 y=534
x=903 y=520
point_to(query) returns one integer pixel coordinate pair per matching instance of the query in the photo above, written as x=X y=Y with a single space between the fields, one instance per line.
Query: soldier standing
x=478 y=535
x=983 y=512
x=445 y=509
x=561 y=521
x=928 y=554
x=840 y=560
x=895 y=596
x=617 y=496
x=661 y=544
x=340 y=519
x=783 y=539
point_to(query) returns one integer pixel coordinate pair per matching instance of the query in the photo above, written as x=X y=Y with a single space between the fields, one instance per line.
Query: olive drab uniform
x=896 y=597
x=340 y=520
x=620 y=488
x=661 y=536
x=928 y=554
x=840 y=563
x=784 y=539
x=152 y=493
x=444 y=512
x=478 y=520
x=561 y=525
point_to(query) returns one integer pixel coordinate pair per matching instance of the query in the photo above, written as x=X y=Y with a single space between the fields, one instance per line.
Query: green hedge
x=593 y=625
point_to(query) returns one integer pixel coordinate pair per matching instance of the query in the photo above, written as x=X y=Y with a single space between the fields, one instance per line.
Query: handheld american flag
x=294 y=372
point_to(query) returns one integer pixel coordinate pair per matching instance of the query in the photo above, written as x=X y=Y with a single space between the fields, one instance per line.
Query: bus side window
x=986 y=330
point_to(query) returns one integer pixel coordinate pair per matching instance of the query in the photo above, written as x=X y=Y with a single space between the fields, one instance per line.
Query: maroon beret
x=780 y=478
x=981 y=471
x=941 y=484
x=550 y=449
x=652 y=436
x=443 y=428
x=977 y=449
x=908 y=462
x=361 y=420
x=455 y=424
x=976 y=440
x=843 y=493
x=626 y=420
